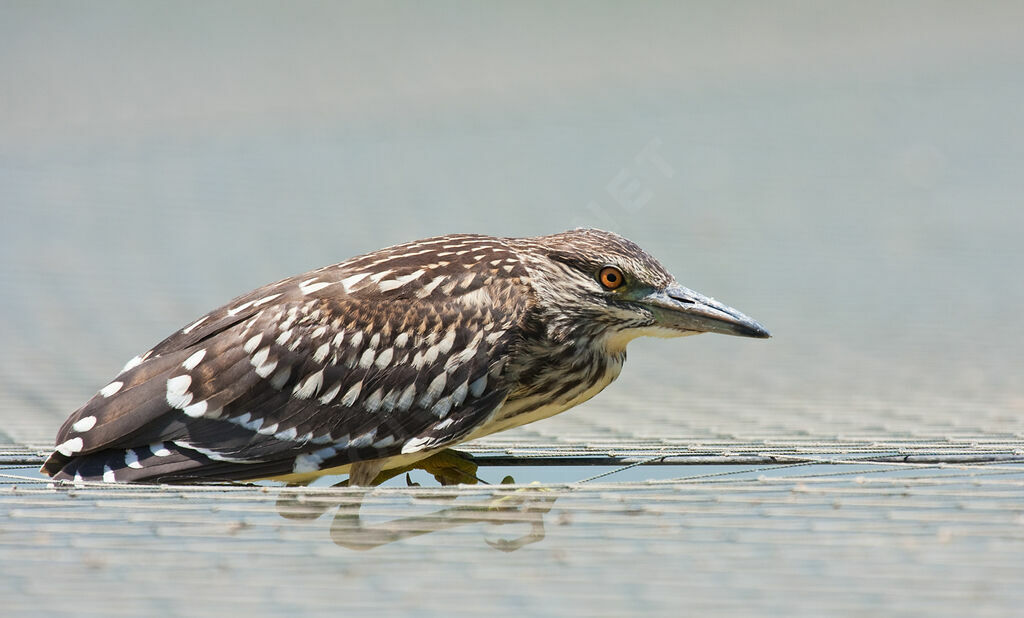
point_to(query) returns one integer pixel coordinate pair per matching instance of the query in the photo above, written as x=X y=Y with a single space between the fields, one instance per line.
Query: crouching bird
x=383 y=360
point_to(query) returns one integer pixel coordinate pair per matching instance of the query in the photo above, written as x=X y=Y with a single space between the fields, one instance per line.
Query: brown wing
x=395 y=352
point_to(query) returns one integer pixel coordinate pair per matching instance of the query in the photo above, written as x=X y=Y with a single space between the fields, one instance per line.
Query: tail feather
x=163 y=462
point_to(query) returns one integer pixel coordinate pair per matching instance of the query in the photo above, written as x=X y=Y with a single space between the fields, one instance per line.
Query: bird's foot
x=451 y=467
x=448 y=467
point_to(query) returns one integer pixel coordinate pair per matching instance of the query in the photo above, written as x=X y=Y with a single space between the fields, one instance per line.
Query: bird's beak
x=683 y=309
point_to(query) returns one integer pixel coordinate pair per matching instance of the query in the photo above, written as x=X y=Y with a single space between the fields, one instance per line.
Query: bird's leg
x=451 y=467
x=365 y=473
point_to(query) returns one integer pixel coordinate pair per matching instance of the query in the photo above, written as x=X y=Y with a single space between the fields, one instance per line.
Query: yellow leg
x=449 y=467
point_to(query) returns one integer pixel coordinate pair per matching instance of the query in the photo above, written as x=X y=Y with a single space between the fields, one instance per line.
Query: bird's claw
x=451 y=467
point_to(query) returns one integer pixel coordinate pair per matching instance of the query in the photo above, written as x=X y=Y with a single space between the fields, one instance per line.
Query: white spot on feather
x=132 y=364
x=444 y=424
x=240 y=308
x=401 y=340
x=265 y=300
x=478 y=297
x=405 y=401
x=251 y=344
x=266 y=369
x=268 y=430
x=428 y=289
x=446 y=344
x=478 y=386
x=260 y=357
x=456 y=360
x=212 y=454
x=384 y=358
x=373 y=401
x=193 y=326
x=84 y=424
x=159 y=450
x=442 y=407
x=195 y=410
x=287 y=435
x=259 y=362
x=387 y=441
x=376 y=277
x=398 y=282
x=388 y=403
x=70 y=447
x=348 y=282
x=352 y=394
x=191 y=362
x=321 y=353
x=459 y=394
x=108 y=475
x=255 y=424
x=131 y=459
x=309 y=385
x=331 y=394
x=110 y=389
x=415 y=445
x=312 y=285
x=364 y=440
x=177 y=391
x=434 y=390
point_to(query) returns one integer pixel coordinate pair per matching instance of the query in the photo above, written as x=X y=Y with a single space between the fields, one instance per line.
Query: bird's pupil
x=610 y=278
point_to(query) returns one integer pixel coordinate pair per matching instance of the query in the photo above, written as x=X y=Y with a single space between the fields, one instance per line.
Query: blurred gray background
x=849 y=174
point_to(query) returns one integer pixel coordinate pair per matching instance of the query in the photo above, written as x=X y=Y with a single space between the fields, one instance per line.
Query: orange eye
x=610 y=277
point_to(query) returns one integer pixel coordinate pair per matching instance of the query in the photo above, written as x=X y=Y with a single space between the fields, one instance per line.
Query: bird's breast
x=561 y=386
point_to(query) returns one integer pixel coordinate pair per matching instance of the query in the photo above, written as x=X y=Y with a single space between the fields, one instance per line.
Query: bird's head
x=599 y=285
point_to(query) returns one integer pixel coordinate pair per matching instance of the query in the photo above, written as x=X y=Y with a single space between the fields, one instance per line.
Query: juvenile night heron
x=383 y=360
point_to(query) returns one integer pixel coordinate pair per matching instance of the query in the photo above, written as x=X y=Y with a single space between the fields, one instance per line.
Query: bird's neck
x=552 y=379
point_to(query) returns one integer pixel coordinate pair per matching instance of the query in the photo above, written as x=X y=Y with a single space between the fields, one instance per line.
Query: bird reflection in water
x=523 y=505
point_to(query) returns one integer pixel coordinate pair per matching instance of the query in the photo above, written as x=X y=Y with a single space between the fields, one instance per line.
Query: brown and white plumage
x=380 y=361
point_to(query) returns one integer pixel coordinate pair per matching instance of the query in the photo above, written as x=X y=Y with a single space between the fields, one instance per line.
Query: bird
x=383 y=360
